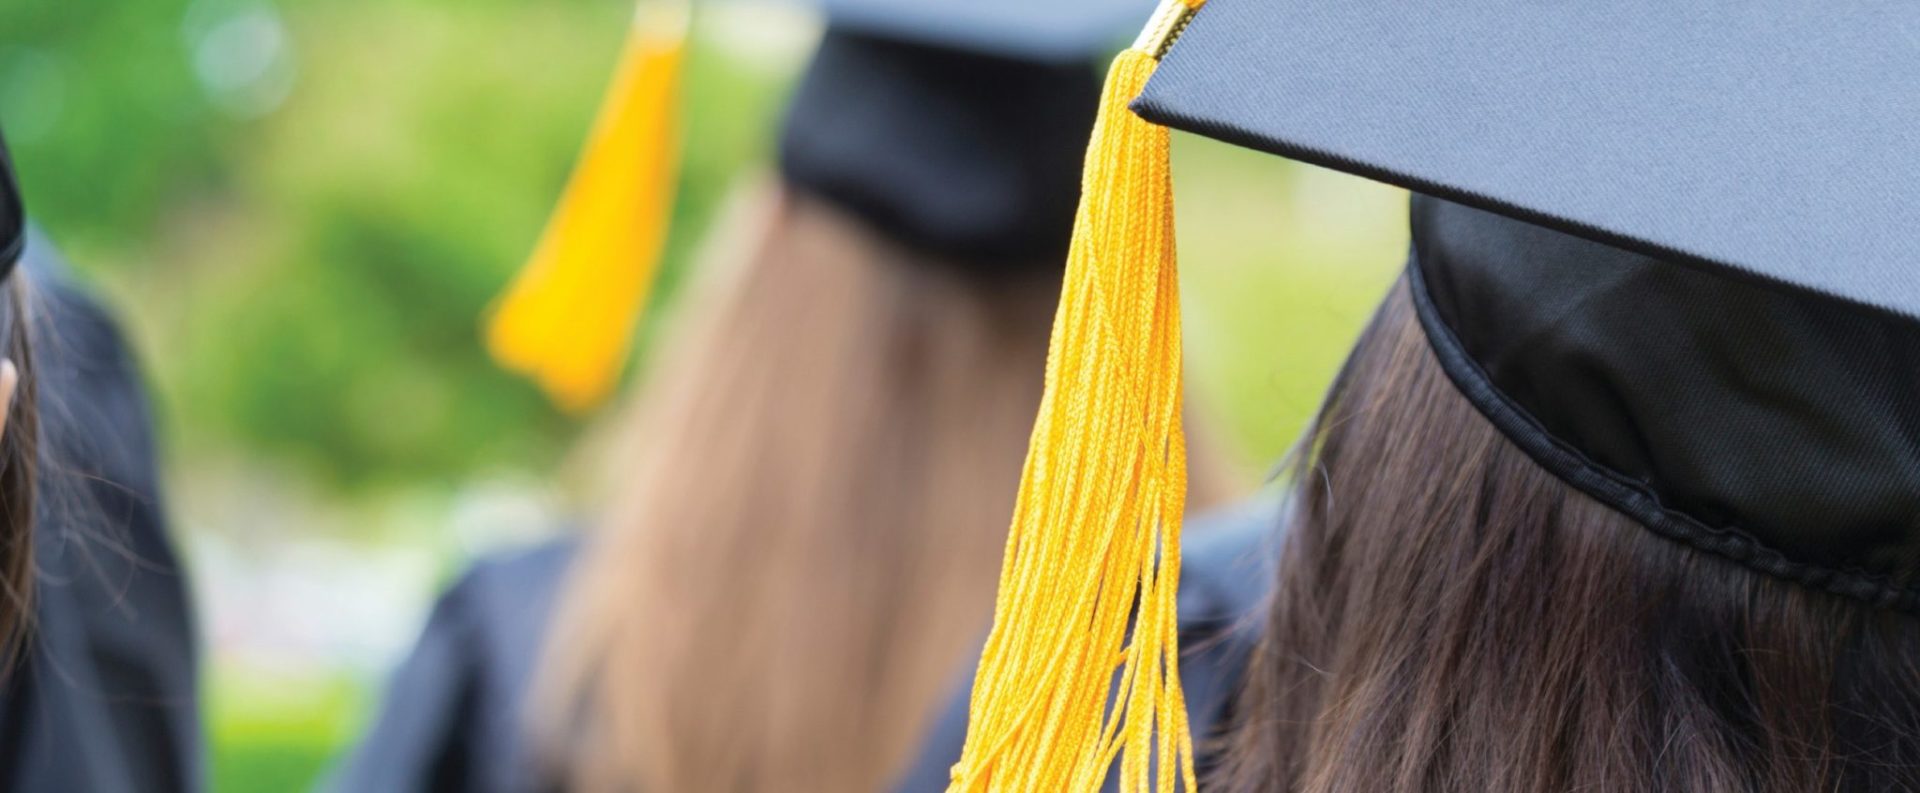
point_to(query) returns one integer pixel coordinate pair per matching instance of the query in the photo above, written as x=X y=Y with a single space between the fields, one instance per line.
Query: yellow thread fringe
x=1094 y=550
x=567 y=320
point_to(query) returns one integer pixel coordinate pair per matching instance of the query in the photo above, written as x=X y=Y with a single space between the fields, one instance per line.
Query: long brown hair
x=19 y=450
x=812 y=514
x=1451 y=618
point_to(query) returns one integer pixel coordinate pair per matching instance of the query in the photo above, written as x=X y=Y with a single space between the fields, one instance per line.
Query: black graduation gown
x=454 y=718
x=1226 y=569
x=455 y=713
x=105 y=699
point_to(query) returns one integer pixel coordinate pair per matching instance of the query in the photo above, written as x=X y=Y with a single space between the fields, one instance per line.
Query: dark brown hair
x=19 y=449
x=1449 y=618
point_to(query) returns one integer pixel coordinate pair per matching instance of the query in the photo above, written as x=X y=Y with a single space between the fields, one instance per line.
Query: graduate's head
x=19 y=425
x=1499 y=576
x=1619 y=493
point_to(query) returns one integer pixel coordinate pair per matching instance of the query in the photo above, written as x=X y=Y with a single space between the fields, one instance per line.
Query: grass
x=278 y=731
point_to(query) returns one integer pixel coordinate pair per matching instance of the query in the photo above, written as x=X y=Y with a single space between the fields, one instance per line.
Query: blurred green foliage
x=107 y=120
x=1280 y=265
x=314 y=276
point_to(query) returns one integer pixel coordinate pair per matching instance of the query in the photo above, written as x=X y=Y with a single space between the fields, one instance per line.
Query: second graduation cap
x=1665 y=248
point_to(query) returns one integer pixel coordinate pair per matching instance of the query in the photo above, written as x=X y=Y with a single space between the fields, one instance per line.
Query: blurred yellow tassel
x=1093 y=559
x=567 y=320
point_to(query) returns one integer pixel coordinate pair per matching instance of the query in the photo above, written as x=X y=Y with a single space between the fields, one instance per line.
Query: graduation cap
x=951 y=126
x=969 y=156
x=13 y=215
x=1668 y=249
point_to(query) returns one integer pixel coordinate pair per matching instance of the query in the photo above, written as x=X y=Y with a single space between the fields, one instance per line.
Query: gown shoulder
x=454 y=713
x=106 y=696
x=1226 y=570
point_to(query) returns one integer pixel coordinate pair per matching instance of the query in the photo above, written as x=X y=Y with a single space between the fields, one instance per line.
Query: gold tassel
x=567 y=320
x=1088 y=588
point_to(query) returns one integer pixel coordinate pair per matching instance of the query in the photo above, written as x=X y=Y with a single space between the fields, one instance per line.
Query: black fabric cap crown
x=1773 y=426
x=1687 y=283
x=975 y=157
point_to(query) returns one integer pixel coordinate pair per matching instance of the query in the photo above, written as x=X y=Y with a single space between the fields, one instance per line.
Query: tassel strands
x=1088 y=588
x=567 y=320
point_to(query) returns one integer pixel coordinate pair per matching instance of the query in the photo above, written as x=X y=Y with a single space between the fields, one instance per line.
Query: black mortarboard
x=1693 y=293
x=952 y=126
x=1664 y=247
x=13 y=214
x=956 y=127
x=970 y=156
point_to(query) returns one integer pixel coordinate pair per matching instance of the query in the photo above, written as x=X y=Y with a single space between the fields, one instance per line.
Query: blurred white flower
x=242 y=55
x=769 y=35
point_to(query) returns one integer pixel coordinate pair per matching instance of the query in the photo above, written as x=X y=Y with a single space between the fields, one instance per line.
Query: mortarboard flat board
x=1060 y=30
x=1774 y=138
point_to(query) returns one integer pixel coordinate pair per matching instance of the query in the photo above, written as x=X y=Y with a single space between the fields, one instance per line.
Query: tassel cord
x=1082 y=665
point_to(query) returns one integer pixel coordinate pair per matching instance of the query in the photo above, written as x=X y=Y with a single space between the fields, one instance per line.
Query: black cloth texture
x=106 y=698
